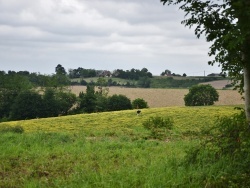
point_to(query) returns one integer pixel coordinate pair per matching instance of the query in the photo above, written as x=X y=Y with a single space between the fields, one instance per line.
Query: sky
x=37 y=35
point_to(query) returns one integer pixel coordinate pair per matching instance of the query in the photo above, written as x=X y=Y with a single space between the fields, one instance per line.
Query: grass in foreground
x=105 y=150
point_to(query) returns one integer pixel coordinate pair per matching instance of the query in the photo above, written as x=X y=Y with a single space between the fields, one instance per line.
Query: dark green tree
x=60 y=70
x=27 y=105
x=118 y=102
x=65 y=101
x=10 y=86
x=226 y=25
x=87 y=101
x=201 y=95
x=50 y=103
x=139 y=103
x=57 y=102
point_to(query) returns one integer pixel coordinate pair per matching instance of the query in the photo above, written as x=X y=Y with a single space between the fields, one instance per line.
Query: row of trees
x=133 y=74
x=143 y=82
x=34 y=79
x=20 y=99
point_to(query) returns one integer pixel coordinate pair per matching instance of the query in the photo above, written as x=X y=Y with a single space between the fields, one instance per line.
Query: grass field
x=110 y=149
x=166 y=97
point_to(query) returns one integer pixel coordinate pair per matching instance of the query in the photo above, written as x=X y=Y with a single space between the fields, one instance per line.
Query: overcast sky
x=36 y=35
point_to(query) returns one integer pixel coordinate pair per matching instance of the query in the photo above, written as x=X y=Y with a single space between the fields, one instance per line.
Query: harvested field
x=219 y=84
x=166 y=97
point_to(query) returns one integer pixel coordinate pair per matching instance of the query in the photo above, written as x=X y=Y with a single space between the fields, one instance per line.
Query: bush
x=225 y=150
x=159 y=127
x=139 y=103
x=201 y=95
x=119 y=102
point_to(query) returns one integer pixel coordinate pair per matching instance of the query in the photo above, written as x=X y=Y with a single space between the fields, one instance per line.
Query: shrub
x=139 y=103
x=119 y=102
x=201 y=95
x=226 y=151
x=158 y=126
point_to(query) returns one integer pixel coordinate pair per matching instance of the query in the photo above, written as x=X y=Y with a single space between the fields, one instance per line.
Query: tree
x=10 y=86
x=87 y=100
x=60 y=70
x=201 y=95
x=27 y=105
x=144 y=82
x=166 y=72
x=119 y=102
x=139 y=103
x=65 y=101
x=50 y=103
x=226 y=25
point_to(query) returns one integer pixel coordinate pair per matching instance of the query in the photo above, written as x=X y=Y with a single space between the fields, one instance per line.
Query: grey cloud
x=107 y=33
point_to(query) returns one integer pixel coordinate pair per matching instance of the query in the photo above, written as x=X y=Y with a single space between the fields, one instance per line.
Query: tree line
x=23 y=98
x=133 y=74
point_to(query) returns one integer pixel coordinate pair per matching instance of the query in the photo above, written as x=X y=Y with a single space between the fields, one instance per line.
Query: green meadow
x=110 y=149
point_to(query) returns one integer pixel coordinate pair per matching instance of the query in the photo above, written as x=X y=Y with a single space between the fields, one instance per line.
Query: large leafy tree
x=224 y=23
x=27 y=105
x=201 y=95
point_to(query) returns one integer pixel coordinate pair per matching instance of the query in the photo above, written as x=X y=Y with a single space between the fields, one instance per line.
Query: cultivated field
x=166 y=97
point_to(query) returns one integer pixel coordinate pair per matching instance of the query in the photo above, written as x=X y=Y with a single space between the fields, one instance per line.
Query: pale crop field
x=166 y=97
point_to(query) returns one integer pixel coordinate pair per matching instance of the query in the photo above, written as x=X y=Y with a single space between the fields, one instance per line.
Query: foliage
x=159 y=127
x=222 y=24
x=65 y=101
x=226 y=147
x=133 y=74
x=144 y=82
x=50 y=103
x=201 y=95
x=82 y=73
x=225 y=24
x=118 y=102
x=27 y=105
x=101 y=103
x=139 y=103
x=102 y=87
x=88 y=100
x=60 y=70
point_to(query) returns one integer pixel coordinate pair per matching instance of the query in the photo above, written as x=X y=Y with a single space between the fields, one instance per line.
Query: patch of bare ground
x=166 y=97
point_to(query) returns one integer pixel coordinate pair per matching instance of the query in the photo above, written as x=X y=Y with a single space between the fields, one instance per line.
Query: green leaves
x=225 y=25
x=201 y=95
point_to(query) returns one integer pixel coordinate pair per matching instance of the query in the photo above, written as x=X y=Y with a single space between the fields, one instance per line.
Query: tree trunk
x=247 y=91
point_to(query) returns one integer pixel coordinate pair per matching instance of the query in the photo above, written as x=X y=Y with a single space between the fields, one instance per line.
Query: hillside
x=110 y=149
x=126 y=122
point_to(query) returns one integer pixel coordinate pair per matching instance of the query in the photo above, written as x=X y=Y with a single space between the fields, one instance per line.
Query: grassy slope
x=126 y=121
x=105 y=150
